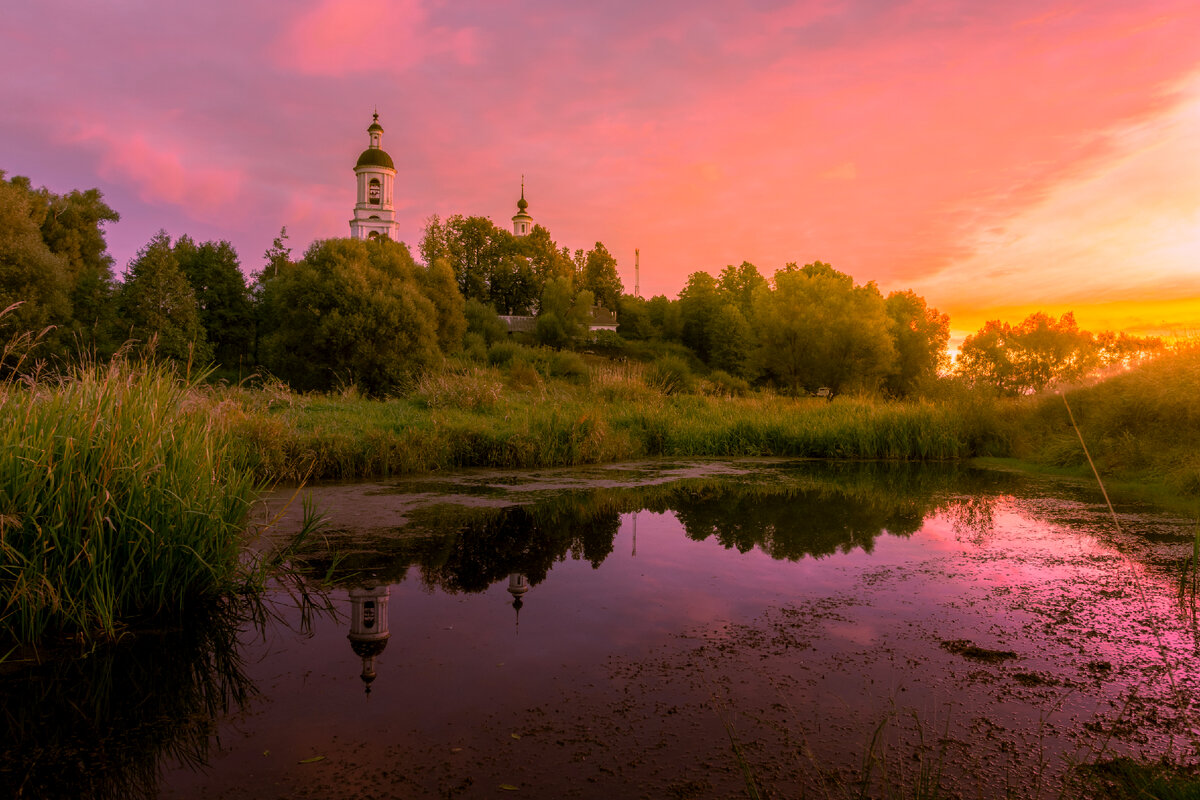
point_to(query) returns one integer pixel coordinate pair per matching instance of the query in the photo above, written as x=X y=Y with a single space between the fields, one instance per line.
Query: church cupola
x=522 y=222
x=374 y=212
x=369 y=627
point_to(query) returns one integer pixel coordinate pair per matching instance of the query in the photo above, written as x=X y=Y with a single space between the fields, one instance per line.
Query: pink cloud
x=160 y=172
x=342 y=37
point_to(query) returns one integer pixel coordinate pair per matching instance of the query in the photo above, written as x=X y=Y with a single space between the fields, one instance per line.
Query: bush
x=568 y=366
x=722 y=384
x=473 y=390
x=502 y=353
x=475 y=347
x=524 y=375
x=670 y=375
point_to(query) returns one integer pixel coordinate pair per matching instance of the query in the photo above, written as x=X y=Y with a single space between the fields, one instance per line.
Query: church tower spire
x=374 y=214
x=522 y=222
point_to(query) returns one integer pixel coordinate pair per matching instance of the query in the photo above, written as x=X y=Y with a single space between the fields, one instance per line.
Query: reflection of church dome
x=368 y=649
x=369 y=627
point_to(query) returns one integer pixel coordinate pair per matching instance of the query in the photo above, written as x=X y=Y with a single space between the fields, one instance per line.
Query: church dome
x=374 y=157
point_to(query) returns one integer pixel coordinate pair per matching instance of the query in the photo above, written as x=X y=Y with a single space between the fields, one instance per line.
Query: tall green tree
x=31 y=274
x=563 y=314
x=600 y=277
x=222 y=297
x=1028 y=357
x=546 y=258
x=817 y=328
x=442 y=290
x=472 y=246
x=633 y=318
x=920 y=334
x=355 y=312
x=739 y=284
x=73 y=227
x=731 y=343
x=699 y=302
x=158 y=304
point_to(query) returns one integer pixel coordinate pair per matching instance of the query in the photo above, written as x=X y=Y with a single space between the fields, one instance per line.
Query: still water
x=652 y=630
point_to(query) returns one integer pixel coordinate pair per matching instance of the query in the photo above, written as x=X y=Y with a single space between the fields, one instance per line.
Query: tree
x=356 y=312
x=665 y=317
x=30 y=273
x=738 y=285
x=562 y=314
x=731 y=342
x=472 y=246
x=1028 y=357
x=442 y=290
x=633 y=317
x=600 y=277
x=512 y=285
x=545 y=257
x=817 y=328
x=920 y=335
x=222 y=298
x=699 y=302
x=157 y=303
x=72 y=227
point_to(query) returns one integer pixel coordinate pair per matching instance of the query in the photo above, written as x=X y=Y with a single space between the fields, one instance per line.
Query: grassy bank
x=118 y=501
x=124 y=491
x=1141 y=426
x=492 y=417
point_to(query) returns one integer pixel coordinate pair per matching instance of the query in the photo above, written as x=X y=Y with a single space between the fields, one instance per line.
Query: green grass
x=1141 y=426
x=118 y=501
x=497 y=417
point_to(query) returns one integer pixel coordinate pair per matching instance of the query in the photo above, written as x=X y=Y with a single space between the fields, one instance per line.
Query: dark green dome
x=374 y=157
x=375 y=128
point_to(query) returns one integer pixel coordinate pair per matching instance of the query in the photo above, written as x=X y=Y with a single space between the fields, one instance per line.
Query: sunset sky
x=998 y=158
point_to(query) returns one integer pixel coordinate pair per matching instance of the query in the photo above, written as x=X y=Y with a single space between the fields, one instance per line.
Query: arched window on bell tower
x=374 y=192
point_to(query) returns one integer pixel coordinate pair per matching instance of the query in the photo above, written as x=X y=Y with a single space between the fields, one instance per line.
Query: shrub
x=502 y=353
x=669 y=375
x=722 y=384
x=473 y=390
x=568 y=366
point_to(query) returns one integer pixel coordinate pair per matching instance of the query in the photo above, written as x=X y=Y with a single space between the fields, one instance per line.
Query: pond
x=661 y=629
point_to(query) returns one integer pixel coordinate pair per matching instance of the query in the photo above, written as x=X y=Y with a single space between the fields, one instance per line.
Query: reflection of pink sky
x=994 y=157
x=459 y=678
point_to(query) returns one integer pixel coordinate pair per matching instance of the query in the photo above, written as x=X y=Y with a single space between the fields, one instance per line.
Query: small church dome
x=374 y=157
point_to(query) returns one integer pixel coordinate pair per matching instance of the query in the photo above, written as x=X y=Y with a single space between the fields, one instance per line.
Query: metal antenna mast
x=637 y=272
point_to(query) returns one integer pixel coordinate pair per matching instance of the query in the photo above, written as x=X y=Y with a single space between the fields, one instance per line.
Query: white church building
x=375 y=210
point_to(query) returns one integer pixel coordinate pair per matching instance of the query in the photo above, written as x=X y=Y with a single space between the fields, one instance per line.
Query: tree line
x=367 y=313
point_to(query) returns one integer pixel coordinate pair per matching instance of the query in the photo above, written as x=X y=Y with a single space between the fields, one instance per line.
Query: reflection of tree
x=796 y=523
x=788 y=511
x=518 y=539
x=97 y=727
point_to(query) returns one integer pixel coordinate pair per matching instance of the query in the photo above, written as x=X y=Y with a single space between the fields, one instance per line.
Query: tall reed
x=118 y=500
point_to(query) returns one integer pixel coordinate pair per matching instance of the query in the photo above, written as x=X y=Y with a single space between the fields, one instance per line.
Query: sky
x=996 y=158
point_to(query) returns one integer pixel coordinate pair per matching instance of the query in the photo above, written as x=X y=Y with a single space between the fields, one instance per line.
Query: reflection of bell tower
x=518 y=585
x=369 y=627
x=374 y=214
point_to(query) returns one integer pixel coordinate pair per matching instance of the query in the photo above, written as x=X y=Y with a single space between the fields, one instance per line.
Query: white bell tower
x=374 y=214
x=522 y=221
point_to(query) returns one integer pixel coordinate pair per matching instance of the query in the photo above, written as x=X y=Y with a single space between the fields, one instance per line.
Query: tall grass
x=118 y=500
x=503 y=417
x=1141 y=426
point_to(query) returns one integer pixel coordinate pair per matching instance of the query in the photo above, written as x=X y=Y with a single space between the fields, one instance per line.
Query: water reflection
x=369 y=627
x=812 y=510
x=99 y=725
